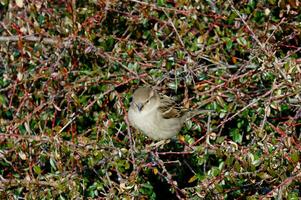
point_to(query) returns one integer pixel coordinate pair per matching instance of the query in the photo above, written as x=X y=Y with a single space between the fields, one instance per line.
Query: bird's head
x=145 y=98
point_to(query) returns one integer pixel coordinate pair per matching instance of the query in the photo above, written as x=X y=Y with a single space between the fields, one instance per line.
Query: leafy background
x=68 y=69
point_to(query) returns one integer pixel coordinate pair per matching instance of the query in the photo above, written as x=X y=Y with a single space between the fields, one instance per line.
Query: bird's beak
x=139 y=106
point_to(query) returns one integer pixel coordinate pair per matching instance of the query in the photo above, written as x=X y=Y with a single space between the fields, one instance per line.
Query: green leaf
x=236 y=135
x=161 y=2
x=37 y=169
x=293 y=195
x=229 y=43
x=295 y=157
x=215 y=171
x=41 y=19
x=242 y=41
x=3 y=100
x=53 y=163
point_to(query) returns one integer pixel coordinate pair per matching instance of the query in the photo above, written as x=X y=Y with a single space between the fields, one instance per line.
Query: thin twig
x=32 y=38
x=154 y=6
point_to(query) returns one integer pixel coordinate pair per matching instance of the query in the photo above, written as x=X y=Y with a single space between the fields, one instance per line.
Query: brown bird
x=157 y=115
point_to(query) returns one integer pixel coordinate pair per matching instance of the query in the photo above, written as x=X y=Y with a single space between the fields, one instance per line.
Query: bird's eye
x=147 y=101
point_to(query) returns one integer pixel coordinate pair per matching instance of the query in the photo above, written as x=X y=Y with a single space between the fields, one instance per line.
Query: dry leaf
x=20 y=3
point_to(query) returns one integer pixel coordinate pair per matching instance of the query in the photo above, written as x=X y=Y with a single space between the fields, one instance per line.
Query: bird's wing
x=169 y=108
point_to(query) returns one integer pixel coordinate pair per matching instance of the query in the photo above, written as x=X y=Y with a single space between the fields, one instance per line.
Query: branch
x=32 y=38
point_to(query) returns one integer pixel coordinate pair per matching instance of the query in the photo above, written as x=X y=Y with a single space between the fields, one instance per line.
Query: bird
x=156 y=115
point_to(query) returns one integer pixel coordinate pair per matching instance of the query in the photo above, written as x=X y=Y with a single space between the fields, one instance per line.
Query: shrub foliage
x=68 y=69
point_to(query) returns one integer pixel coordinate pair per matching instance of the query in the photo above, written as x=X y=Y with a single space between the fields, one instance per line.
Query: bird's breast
x=154 y=125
